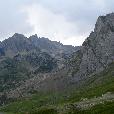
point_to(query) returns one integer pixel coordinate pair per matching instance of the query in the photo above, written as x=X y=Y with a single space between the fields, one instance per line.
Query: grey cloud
x=12 y=19
x=82 y=10
x=82 y=13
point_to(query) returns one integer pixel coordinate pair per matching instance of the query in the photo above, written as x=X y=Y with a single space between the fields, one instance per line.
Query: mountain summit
x=22 y=58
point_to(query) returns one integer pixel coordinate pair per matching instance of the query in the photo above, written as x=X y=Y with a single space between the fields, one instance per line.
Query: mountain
x=51 y=47
x=95 y=55
x=98 y=49
x=59 y=79
x=22 y=58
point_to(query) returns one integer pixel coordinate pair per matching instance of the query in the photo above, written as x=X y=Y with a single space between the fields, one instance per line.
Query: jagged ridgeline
x=22 y=58
x=47 y=77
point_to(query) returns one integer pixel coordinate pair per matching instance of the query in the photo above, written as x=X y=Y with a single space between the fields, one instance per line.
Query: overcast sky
x=67 y=21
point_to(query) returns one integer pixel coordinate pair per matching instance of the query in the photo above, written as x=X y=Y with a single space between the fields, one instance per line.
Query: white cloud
x=68 y=21
x=12 y=19
x=54 y=26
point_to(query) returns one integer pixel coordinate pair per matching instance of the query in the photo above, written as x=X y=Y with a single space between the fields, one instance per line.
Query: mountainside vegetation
x=66 y=102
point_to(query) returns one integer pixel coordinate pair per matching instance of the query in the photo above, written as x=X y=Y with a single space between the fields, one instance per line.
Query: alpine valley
x=39 y=76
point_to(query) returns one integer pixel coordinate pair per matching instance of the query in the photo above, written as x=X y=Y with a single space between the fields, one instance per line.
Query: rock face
x=97 y=51
x=56 y=49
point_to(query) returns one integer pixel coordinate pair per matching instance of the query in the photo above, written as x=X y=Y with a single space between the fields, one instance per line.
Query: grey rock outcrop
x=98 y=49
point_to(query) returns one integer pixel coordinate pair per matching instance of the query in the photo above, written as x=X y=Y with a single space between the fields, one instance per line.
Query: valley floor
x=96 y=105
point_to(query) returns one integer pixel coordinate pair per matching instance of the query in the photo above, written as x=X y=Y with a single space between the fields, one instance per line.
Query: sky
x=67 y=21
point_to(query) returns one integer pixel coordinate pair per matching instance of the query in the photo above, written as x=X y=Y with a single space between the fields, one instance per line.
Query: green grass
x=107 y=108
x=44 y=110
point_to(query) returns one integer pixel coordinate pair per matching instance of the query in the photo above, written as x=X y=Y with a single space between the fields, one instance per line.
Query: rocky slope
x=97 y=51
x=22 y=58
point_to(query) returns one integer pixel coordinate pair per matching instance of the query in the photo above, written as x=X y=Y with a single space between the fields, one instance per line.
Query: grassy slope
x=47 y=103
x=107 y=108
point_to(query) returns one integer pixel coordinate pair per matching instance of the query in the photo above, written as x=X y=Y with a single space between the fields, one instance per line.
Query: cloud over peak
x=67 y=21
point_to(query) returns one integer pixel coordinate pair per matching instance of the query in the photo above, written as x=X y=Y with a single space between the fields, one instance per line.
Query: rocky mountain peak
x=105 y=23
x=98 y=49
x=18 y=35
x=33 y=36
x=15 y=39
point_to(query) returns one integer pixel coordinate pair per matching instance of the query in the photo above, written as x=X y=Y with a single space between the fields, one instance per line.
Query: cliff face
x=97 y=51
